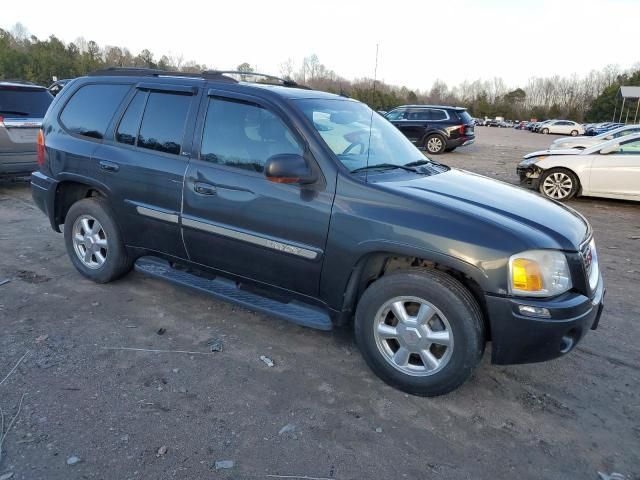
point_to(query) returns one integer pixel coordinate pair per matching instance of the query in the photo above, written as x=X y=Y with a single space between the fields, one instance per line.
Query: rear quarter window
x=464 y=116
x=91 y=108
x=24 y=102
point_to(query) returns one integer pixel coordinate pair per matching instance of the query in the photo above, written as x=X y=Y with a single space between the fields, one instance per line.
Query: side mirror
x=288 y=168
x=610 y=149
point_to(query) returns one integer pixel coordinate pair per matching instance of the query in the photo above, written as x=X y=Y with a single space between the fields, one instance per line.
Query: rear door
x=22 y=109
x=618 y=172
x=237 y=221
x=144 y=162
x=414 y=124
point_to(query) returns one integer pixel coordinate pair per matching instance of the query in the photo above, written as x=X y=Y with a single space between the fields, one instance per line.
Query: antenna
x=373 y=95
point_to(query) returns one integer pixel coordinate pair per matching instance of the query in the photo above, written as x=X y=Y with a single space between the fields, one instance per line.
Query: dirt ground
x=318 y=412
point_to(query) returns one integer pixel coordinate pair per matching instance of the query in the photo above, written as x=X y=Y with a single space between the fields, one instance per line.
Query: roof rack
x=218 y=75
x=284 y=81
x=154 y=72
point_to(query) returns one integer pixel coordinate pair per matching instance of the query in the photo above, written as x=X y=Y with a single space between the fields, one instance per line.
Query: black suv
x=435 y=128
x=307 y=206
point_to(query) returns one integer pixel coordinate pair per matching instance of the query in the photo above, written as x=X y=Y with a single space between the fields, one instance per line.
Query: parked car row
x=592 y=129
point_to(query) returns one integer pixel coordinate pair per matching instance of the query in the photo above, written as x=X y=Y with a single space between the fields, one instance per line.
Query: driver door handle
x=204 y=188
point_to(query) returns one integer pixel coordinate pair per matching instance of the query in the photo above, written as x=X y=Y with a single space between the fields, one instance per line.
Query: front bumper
x=523 y=339
x=529 y=176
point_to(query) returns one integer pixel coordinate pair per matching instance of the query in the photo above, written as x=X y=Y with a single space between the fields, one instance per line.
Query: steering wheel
x=355 y=145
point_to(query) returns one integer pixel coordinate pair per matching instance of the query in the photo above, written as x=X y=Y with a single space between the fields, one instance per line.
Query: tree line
x=593 y=97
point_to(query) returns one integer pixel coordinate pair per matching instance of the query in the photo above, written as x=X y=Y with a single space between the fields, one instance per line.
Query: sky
x=418 y=41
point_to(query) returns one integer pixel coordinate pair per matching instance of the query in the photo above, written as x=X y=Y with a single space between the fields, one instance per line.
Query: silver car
x=22 y=108
x=586 y=142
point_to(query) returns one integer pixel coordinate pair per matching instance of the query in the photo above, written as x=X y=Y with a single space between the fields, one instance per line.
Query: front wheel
x=545 y=131
x=93 y=241
x=435 y=144
x=420 y=330
x=574 y=133
x=559 y=184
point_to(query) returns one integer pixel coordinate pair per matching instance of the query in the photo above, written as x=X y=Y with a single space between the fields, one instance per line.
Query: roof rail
x=155 y=72
x=218 y=75
x=284 y=81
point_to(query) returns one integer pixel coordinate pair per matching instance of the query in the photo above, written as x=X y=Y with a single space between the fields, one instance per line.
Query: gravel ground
x=92 y=411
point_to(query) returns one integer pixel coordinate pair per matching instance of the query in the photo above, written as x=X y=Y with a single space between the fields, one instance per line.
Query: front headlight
x=527 y=162
x=539 y=273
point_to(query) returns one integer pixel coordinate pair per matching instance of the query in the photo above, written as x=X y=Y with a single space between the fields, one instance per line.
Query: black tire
x=563 y=173
x=452 y=299
x=574 y=133
x=116 y=260
x=434 y=144
x=545 y=131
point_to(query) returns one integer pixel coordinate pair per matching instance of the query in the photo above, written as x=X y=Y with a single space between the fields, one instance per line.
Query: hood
x=541 y=153
x=527 y=218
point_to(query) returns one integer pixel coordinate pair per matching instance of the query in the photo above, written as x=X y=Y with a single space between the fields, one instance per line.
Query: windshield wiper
x=14 y=112
x=423 y=161
x=385 y=166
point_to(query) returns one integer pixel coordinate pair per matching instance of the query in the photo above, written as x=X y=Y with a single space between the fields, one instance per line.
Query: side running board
x=227 y=290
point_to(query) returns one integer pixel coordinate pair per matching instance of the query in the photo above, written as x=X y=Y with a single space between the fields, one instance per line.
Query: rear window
x=464 y=116
x=91 y=108
x=24 y=102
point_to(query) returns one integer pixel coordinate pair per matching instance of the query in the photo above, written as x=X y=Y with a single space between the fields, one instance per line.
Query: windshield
x=344 y=126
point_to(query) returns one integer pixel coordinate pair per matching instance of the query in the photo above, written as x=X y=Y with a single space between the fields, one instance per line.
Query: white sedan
x=563 y=127
x=610 y=169
x=586 y=142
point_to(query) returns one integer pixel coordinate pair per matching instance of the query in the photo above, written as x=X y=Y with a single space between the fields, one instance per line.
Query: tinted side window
x=244 y=135
x=423 y=114
x=438 y=115
x=91 y=108
x=128 y=128
x=163 y=122
x=396 y=114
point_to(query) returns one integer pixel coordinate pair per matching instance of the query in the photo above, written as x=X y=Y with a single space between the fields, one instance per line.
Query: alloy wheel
x=434 y=144
x=413 y=336
x=89 y=241
x=558 y=186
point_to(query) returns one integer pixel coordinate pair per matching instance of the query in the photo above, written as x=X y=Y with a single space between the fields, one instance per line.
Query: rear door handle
x=204 y=188
x=109 y=166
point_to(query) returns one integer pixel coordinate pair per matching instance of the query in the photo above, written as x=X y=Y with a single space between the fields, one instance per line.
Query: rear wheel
x=420 y=330
x=574 y=133
x=93 y=241
x=559 y=184
x=435 y=144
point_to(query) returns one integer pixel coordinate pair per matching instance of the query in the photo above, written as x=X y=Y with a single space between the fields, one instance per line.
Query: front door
x=237 y=221
x=618 y=172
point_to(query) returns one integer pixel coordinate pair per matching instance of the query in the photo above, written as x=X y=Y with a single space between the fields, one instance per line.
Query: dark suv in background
x=22 y=108
x=309 y=207
x=435 y=128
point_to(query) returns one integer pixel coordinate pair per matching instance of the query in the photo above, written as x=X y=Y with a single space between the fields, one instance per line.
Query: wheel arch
x=577 y=172
x=71 y=190
x=375 y=264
